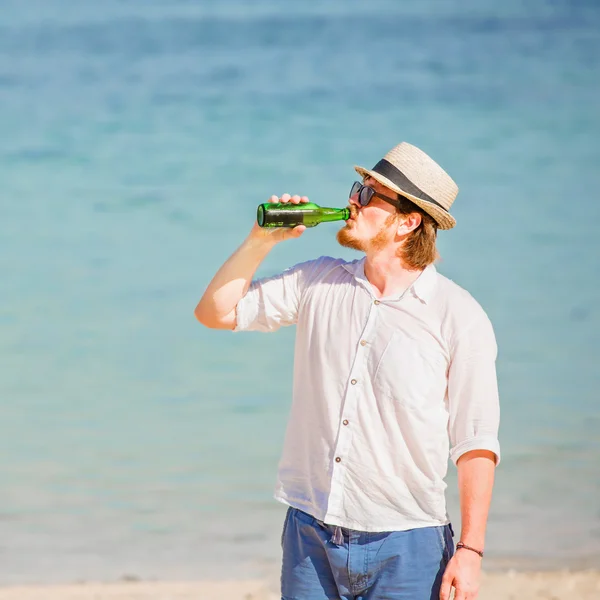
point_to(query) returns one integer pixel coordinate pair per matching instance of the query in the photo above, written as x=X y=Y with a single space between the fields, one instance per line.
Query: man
x=394 y=371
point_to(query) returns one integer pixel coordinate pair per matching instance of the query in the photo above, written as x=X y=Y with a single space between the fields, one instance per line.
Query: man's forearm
x=476 y=471
x=216 y=308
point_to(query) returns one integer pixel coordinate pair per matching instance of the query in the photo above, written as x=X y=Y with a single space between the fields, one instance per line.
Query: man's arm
x=473 y=427
x=476 y=471
x=216 y=308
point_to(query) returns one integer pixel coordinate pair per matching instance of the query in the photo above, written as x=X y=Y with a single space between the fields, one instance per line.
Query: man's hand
x=217 y=307
x=279 y=234
x=463 y=573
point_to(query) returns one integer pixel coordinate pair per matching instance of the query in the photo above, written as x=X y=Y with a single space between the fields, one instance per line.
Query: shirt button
x=363 y=342
x=377 y=302
x=353 y=382
x=345 y=421
x=338 y=459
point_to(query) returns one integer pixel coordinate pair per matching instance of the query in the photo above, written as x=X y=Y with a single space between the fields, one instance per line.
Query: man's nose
x=354 y=200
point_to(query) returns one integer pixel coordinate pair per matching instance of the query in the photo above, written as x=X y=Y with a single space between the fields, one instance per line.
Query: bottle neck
x=334 y=214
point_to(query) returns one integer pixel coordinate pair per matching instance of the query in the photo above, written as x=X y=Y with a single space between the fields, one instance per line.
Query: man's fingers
x=445 y=588
x=295 y=199
x=461 y=594
x=298 y=231
x=289 y=233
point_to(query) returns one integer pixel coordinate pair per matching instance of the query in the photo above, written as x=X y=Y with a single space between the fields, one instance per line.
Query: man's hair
x=418 y=250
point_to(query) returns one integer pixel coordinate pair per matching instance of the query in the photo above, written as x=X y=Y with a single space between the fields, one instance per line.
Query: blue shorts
x=322 y=562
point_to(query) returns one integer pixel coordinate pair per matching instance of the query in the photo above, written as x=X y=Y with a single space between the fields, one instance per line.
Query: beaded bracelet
x=461 y=545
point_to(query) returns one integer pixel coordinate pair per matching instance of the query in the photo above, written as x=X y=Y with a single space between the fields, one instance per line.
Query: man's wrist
x=463 y=546
x=257 y=242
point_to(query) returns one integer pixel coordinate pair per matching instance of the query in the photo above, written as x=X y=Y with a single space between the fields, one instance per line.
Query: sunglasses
x=366 y=194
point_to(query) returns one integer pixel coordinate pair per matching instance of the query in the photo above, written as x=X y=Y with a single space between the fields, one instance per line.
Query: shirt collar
x=422 y=288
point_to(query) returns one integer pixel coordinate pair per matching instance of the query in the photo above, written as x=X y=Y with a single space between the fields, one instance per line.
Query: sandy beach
x=510 y=585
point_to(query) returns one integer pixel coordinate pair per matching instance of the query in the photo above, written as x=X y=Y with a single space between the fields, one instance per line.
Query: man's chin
x=347 y=240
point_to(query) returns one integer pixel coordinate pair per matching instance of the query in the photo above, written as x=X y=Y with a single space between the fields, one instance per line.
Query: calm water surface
x=138 y=138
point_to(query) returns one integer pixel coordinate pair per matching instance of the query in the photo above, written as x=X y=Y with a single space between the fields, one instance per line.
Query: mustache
x=353 y=210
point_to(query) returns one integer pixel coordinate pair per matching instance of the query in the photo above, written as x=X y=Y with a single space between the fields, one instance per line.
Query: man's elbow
x=205 y=317
x=212 y=321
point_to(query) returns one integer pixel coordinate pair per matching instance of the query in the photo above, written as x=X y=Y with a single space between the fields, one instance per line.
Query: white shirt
x=384 y=391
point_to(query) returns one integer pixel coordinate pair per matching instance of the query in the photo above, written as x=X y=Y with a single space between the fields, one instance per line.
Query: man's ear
x=408 y=223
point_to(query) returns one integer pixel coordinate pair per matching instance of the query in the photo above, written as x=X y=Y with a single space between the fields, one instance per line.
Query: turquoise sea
x=137 y=138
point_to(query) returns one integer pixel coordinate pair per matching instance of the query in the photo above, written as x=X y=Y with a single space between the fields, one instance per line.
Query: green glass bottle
x=289 y=215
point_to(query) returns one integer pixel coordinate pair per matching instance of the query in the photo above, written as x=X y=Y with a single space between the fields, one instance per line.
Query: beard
x=348 y=239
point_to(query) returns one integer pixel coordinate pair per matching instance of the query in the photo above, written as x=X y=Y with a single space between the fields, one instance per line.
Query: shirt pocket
x=411 y=372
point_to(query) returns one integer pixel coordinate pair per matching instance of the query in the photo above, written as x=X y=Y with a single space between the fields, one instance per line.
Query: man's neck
x=387 y=274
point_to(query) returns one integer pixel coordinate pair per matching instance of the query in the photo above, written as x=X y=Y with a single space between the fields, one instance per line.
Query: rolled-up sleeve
x=273 y=302
x=269 y=303
x=473 y=401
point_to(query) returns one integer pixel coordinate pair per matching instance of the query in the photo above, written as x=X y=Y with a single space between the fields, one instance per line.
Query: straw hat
x=409 y=172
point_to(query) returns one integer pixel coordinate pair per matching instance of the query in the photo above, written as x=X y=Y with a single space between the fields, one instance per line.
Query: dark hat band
x=396 y=176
